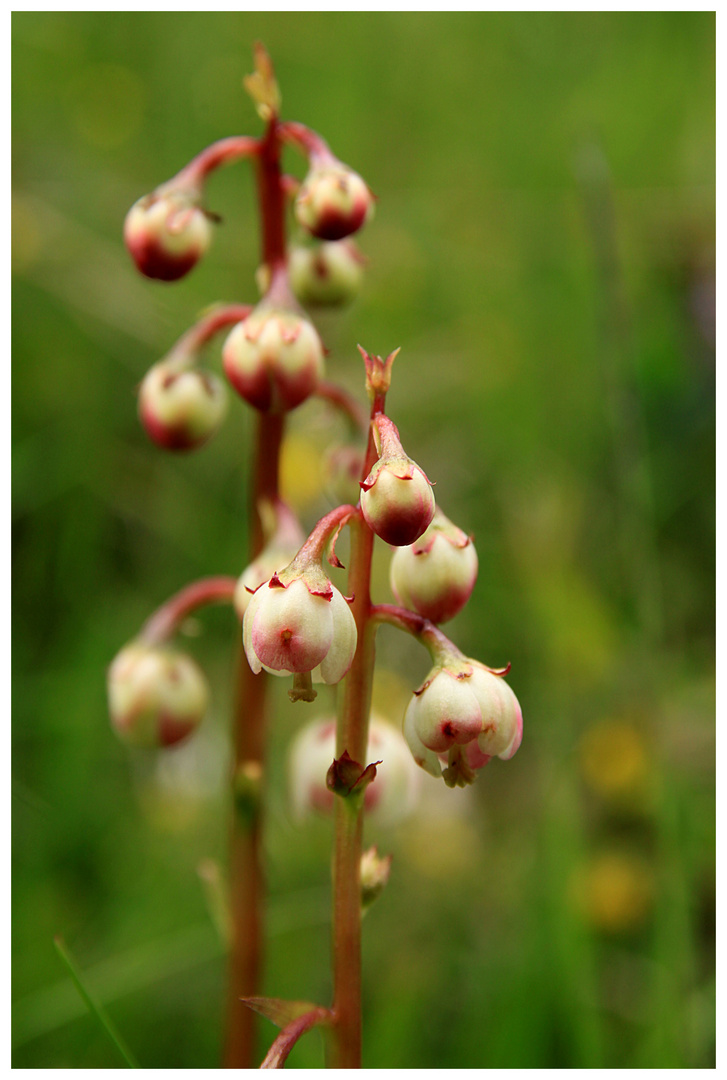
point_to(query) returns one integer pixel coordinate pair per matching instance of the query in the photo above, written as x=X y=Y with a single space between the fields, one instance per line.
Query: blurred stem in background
x=247 y=885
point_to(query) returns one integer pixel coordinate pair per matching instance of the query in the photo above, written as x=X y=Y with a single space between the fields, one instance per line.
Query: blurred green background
x=543 y=251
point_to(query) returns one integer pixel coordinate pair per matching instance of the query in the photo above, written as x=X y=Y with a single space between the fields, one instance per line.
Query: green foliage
x=543 y=251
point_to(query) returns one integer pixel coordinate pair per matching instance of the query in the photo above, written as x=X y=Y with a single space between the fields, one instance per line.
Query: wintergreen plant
x=295 y=623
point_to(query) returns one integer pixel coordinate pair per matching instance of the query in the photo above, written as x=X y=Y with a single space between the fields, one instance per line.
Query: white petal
x=426 y=758
x=343 y=645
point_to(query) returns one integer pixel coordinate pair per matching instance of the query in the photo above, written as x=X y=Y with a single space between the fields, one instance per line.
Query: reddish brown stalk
x=277 y=1055
x=222 y=152
x=313 y=145
x=272 y=199
x=247 y=885
x=344 y=1048
x=430 y=635
x=166 y=620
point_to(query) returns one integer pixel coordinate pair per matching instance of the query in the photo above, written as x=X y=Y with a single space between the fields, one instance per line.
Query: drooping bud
x=284 y=538
x=465 y=714
x=396 y=497
x=297 y=623
x=329 y=274
x=293 y=628
x=333 y=201
x=389 y=798
x=273 y=358
x=157 y=695
x=166 y=233
x=436 y=575
x=181 y=408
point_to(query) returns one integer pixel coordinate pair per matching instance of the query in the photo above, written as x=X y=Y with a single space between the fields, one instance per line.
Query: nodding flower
x=396 y=497
x=333 y=201
x=436 y=574
x=181 y=409
x=463 y=714
x=292 y=626
x=273 y=358
x=166 y=233
x=157 y=695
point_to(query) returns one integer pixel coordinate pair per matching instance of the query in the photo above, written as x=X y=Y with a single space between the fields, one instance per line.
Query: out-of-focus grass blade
x=94 y=1007
x=47 y=1009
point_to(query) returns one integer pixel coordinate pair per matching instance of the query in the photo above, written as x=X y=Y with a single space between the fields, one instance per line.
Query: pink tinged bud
x=289 y=630
x=274 y=359
x=470 y=716
x=181 y=410
x=436 y=575
x=397 y=501
x=166 y=234
x=333 y=202
x=389 y=798
x=157 y=696
x=330 y=274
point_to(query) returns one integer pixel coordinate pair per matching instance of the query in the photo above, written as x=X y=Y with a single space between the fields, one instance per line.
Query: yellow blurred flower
x=615 y=891
x=300 y=474
x=614 y=759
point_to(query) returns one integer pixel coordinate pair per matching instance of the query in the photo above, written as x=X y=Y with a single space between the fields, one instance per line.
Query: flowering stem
x=272 y=198
x=166 y=620
x=246 y=874
x=344 y=1048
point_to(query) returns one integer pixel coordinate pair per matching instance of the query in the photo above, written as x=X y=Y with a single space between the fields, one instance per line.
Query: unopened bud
x=181 y=409
x=333 y=201
x=388 y=798
x=329 y=274
x=166 y=234
x=273 y=358
x=289 y=629
x=436 y=575
x=397 y=500
x=396 y=497
x=157 y=696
